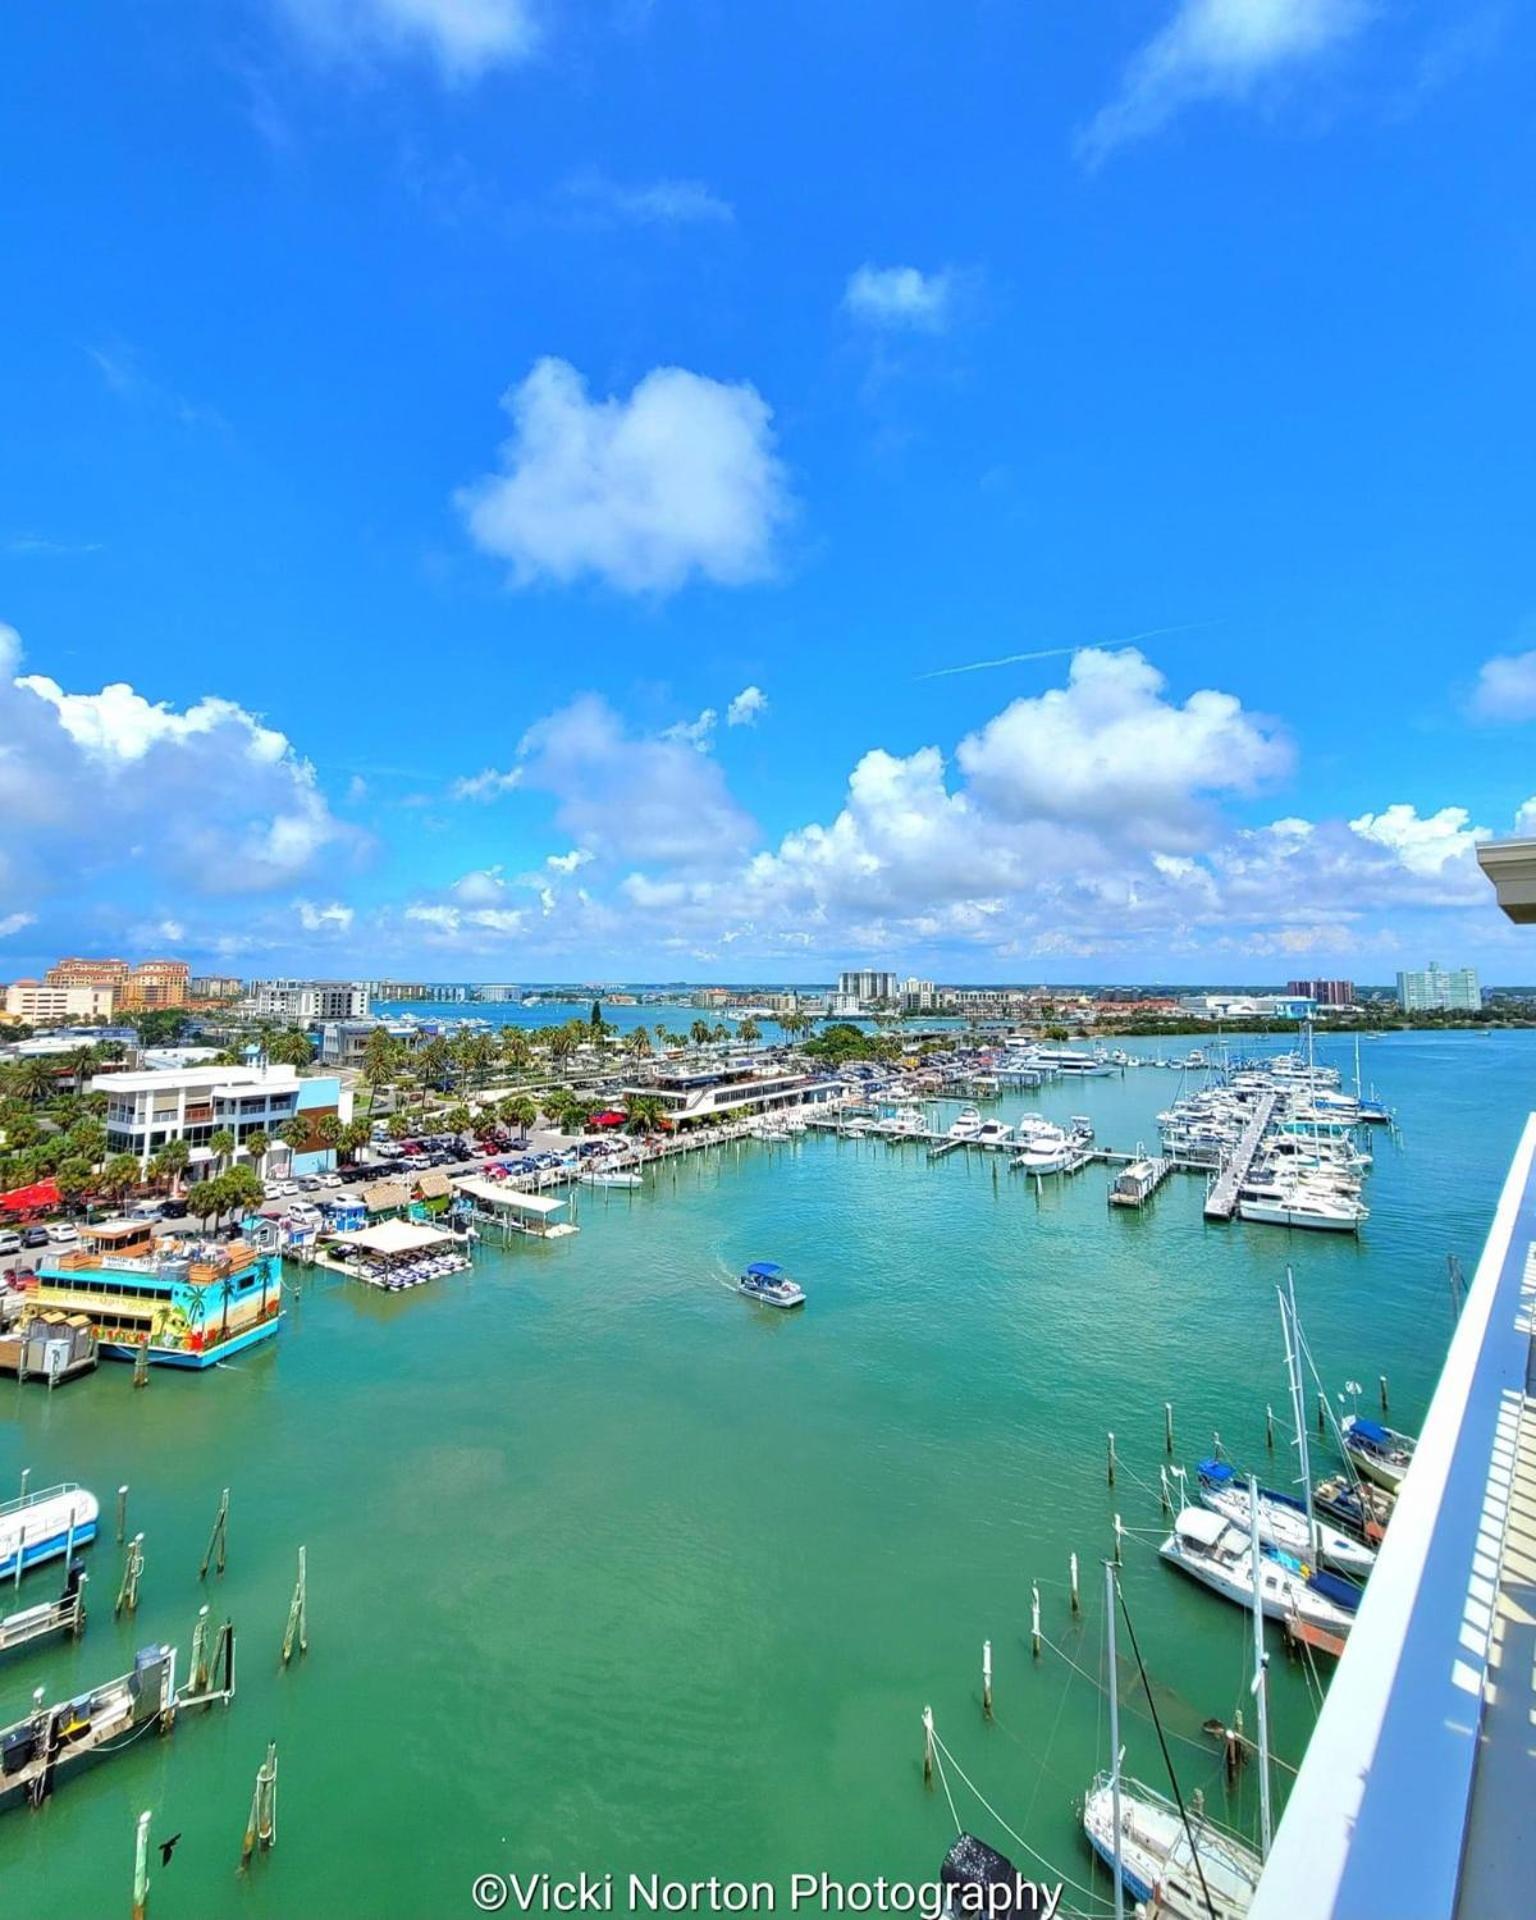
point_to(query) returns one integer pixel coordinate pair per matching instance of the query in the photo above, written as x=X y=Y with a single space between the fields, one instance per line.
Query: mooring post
x=69 y=1541
x=1077 y=1604
x=1119 y=1530
x=1384 y=1406
x=199 y=1661
x=1162 y=1477
x=1269 y=1428
x=1216 y=1445
x=927 y=1746
x=133 y=1566
x=1168 y=1425
x=218 y=1540
x=122 y=1513
x=261 y=1825
x=141 y=1363
x=141 y=1867
x=1034 y=1618
x=21 y=1552
x=986 y=1678
x=297 y=1630
x=1111 y=1459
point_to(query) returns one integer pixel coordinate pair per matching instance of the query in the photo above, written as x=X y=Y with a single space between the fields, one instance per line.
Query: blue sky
x=497 y=488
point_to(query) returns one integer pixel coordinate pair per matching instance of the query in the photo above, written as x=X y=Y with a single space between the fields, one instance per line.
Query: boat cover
x=1331 y=1587
x=1197 y=1525
x=1369 y=1432
x=1216 y=1471
x=765 y=1269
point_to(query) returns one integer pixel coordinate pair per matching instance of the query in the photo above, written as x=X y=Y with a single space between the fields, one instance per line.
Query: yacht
x=967 y=1124
x=1210 y=1549
x=1157 y=1863
x=771 y=1285
x=1298 y=1205
x=1282 y=1521
x=992 y=1133
x=1046 y=1151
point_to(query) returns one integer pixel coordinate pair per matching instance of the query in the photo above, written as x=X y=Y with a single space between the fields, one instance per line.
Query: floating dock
x=33 y=1751
x=64 y=1615
x=1221 y=1201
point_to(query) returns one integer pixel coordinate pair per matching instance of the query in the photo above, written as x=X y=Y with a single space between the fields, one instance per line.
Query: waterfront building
x=42 y=1005
x=344 y=1043
x=189 y=1303
x=919 y=996
x=869 y=985
x=145 y=1111
x=693 y=1096
x=1327 y=993
x=499 y=994
x=310 y=999
x=1248 y=1006
x=1436 y=989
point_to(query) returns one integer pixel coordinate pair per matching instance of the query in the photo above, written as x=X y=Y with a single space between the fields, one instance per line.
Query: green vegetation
x=842 y=1042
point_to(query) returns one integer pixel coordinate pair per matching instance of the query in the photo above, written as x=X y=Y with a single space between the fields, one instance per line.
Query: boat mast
x=1260 y=1687
x=1298 y=1406
x=1114 y=1739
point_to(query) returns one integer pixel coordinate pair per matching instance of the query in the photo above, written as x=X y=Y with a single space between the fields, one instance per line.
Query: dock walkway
x=1221 y=1201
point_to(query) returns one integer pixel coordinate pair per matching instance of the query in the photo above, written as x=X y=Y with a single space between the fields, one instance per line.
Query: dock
x=1140 y=1179
x=49 y=1739
x=1221 y=1201
x=64 y=1615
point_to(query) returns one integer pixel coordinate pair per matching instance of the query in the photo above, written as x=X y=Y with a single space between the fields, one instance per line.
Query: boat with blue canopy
x=767 y=1282
x=1381 y=1453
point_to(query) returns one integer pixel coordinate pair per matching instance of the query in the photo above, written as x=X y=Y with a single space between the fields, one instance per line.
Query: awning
x=391 y=1239
x=34 y=1199
x=497 y=1196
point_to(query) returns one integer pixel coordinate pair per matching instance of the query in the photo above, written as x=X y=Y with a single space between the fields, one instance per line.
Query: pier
x=1221 y=1201
x=64 y=1615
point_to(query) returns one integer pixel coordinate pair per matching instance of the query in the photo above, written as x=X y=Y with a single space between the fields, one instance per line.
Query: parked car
x=10 y=1242
x=310 y=1183
x=173 y=1209
x=65 y=1235
x=34 y=1236
x=330 y=1180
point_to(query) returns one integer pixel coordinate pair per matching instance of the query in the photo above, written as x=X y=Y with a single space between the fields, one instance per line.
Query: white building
x=867 y=984
x=1438 y=989
x=919 y=996
x=41 y=1005
x=310 y=999
x=729 y=1093
x=146 y=1111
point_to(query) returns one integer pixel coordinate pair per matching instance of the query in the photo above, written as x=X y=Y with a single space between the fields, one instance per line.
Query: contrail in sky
x=1055 y=653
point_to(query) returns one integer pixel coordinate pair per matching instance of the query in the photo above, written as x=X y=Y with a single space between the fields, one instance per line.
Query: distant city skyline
x=493 y=506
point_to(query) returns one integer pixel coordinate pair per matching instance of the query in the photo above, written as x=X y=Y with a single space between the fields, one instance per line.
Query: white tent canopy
x=497 y=1196
x=393 y=1239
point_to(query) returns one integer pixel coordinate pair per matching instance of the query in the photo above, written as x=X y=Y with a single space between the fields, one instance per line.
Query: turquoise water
x=611 y=1569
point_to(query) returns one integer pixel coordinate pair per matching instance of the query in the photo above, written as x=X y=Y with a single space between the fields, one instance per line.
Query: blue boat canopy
x=1216 y=1470
x=1368 y=1431
x=765 y=1269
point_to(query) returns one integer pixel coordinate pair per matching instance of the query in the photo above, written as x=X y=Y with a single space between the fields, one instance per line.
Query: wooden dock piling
x=141 y=1866
x=1111 y=1459
x=133 y=1568
x=1077 y=1604
x=927 y=1746
x=986 y=1678
x=297 y=1630
x=261 y=1825
x=122 y=1513
x=1034 y=1618
x=1168 y=1426
x=218 y=1540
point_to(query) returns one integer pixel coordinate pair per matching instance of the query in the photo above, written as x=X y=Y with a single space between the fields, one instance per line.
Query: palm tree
x=459 y=1119
x=73 y=1179
x=381 y=1058
x=561 y=1044
x=644 y=1112
x=35 y=1078
x=256 y=1146
x=80 y=1060
x=174 y=1155
x=399 y=1126
x=515 y=1050
x=638 y=1043
x=517 y=1111
x=119 y=1176
x=327 y=1131
x=700 y=1033
x=749 y=1032
x=221 y=1145
x=354 y=1135
x=295 y=1134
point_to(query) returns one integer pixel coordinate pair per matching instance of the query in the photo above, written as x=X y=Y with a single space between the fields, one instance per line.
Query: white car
x=287 y=1187
x=331 y=1180
x=10 y=1243
x=63 y=1235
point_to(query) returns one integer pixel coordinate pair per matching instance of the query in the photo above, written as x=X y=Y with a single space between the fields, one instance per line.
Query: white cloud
x=747 y=708
x=334 y=918
x=900 y=297
x=1426 y=845
x=1109 y=750
x=15 y=922
x=464 y=36
x=629 y=796
x=1218 y=49
x=99 y=787
x=482 y=888
x=694 y=733
x=568 y=862
x=1525 y=818
x=665 y=203
x=487 y=785
x=1506 y=688
x=678 y=480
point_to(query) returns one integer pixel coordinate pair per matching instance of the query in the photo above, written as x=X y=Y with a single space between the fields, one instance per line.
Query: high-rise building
x=1440 y=990
x=918 y=996
x=867 y=985
x=87 y=973
x=1327 y=993
x=215 y=986
x=157 y=983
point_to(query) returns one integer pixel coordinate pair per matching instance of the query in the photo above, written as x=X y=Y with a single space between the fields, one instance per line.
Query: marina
x=966 y=1336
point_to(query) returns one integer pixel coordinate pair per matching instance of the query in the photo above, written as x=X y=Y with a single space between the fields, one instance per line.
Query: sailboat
x=1176 y=1867
x=1381 y=1453
x=1282 y=1521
